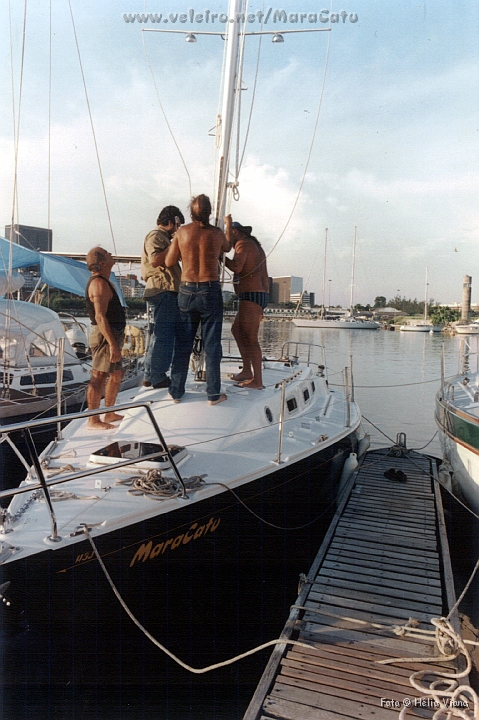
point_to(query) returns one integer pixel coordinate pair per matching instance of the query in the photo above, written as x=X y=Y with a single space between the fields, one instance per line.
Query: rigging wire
x=252 y=98
x=400 y=385
x=16 y=121
x=49 y=118
x=307 y=160
x=310 y=148
x=93 y=129
x=164 y=114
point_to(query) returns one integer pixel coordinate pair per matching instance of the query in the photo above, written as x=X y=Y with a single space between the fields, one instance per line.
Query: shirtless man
x=199 y=246
x=107 y=318
x=251 y=284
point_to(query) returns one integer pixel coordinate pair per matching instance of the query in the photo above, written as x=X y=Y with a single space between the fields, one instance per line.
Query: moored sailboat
x=350 y=322
x=425 y=326
x=202 y=516
x=457 y=417
x=45 y=366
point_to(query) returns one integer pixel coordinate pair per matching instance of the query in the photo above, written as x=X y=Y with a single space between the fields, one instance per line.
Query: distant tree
x=64 y=302
x=136 y=304
x=379 y=301
x=443 y=315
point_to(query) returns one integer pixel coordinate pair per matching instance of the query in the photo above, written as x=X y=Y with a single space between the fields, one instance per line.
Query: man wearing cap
x=199 y=245
x=107 y=318
x=251 y=283
x=161 y=294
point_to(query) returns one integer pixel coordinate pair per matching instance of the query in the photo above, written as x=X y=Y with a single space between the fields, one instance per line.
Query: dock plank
x=376 y=578
x=368 y=568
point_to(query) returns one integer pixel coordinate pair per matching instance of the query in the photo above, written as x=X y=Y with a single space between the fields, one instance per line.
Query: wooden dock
x=384 y=560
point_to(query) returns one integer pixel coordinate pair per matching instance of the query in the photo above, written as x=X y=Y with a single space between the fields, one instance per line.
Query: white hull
x=343 y=324
x=465 y=464
x=472 y=329
x=422 y=328
x=457 y=417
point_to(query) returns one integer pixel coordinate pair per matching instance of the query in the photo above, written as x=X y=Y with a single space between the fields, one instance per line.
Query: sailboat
x=198 y=518
x=43 y=369
x=456 y=415
x=425 y=326
x=350 y=322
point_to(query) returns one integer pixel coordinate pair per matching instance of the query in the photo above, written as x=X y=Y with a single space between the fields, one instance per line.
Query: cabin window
x=48 y=378
x=36 y=351
x=292 y=404
x=313 y=387
x=306 y=394
x=269 y=414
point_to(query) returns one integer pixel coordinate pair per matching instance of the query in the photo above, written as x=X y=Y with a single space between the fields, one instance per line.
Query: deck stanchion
x=348 y=397
x=281 y=421
x=54 y=537
x=443 y=369
x=352 y=377
x=166 y=449
x=60 y=363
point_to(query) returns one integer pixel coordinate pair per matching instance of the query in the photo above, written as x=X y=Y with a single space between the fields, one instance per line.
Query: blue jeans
x=162 y=340
x=199 y=302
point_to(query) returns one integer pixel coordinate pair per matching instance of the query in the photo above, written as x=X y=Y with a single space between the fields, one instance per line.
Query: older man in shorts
x=108 y=321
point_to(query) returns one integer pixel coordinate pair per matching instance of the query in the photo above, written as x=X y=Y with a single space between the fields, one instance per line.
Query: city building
x=33 y=238
x=283 y=287
x=130 y=286
x=306 y=301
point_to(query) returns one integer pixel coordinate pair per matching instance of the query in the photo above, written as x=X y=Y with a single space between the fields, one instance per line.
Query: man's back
x=200 y=248
x=253 y=276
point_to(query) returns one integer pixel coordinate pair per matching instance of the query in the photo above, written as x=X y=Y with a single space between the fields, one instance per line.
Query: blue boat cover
x=60 y=272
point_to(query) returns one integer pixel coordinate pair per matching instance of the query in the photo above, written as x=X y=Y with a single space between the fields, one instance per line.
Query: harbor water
x=396 y=376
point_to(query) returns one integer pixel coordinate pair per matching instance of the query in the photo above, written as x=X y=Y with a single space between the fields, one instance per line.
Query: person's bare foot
x=112 y=417
x=242 y=376
x=96 y=424
x=221 y=399
x=252 y=384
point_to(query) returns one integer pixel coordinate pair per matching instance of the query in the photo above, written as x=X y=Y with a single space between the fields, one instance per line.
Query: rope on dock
x=451 y=698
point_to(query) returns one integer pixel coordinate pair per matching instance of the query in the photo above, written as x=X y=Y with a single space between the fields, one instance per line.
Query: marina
x=387 y=393
x=148 y=563
x=211 y=517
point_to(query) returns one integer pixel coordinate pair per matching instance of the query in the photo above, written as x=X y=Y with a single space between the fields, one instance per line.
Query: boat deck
x=384 y=560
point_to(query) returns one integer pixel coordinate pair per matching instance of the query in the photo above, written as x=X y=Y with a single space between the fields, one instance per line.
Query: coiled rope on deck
x=156 y=486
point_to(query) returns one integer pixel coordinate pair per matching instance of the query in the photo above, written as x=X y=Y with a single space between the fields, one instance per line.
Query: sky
x=395 y=151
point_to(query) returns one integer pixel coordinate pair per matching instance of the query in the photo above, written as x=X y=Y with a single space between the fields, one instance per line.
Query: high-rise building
x=307 y=299
x=284 y=287
x=33 y=238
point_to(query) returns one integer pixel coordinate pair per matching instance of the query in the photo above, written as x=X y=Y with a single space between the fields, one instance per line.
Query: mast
x=225 y=121
x=426 y=299
x=324 y=272
x=352 y=274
